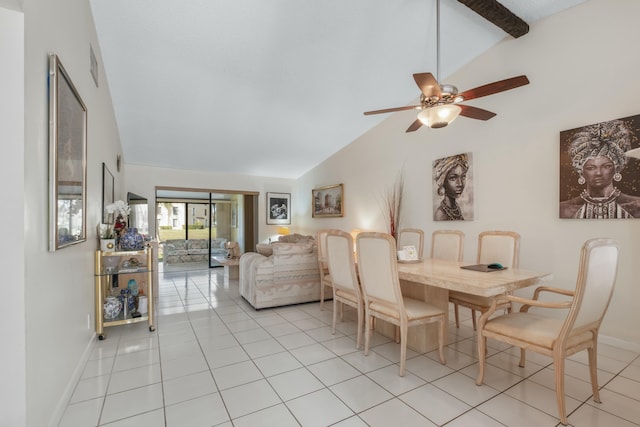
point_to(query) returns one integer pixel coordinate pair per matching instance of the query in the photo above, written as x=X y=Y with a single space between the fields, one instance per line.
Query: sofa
x=193 y=250
x=290 y=275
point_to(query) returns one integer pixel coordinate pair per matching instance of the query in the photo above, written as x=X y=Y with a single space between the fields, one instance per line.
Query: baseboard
x=617 y=342
x=75 y=377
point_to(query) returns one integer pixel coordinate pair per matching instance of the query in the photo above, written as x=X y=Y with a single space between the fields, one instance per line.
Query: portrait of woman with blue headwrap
x=596 y=154
x=450 y=177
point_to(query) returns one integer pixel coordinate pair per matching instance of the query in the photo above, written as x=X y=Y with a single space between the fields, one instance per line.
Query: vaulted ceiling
x=274 y=87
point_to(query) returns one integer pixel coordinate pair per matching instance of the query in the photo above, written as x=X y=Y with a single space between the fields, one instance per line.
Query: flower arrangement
x=392 y=205
x=118 y=207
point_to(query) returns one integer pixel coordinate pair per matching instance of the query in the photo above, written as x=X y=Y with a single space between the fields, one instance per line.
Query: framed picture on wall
x=327 y=201
x=107 y=192
x=278 y=208
x=597 y=179
x=453 y=188
x=67 y=160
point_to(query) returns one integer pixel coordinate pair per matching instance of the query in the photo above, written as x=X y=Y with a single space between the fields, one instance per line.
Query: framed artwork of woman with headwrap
x=453 y=188
x=597 y=179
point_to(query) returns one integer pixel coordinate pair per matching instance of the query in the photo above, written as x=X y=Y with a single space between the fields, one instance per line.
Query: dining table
x=431 y=280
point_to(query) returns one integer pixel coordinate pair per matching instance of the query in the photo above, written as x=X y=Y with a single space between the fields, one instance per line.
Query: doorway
x=194 y=226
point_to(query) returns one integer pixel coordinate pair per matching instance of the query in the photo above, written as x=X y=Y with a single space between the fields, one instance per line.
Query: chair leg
x=558 y=362
x=523 y=357
x=396 y=334
x=593 y=371
x=360 y=326
x=367 y=331
x=457 y=314
x=441 y=341
x=403 y=347
x=482 y=349
x=321 y=293
x=335 y=316
x=473 y=319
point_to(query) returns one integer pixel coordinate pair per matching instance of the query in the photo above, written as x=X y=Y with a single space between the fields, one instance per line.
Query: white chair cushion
x=533 y=328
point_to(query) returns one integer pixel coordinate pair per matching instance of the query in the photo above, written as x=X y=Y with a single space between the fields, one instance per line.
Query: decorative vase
x=133 y=287
x=107 y=245
x=131 y=240
x=127 y=300
x=112 y=308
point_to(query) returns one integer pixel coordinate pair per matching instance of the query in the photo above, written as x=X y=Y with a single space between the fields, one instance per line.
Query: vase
x=107 y=245
x=131 y=240
x=112 y=308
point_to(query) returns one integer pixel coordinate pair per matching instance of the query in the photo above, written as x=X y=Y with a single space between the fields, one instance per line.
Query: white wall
x=583 y=70
x=12 y=316
x=143 y=180
x=60 y=285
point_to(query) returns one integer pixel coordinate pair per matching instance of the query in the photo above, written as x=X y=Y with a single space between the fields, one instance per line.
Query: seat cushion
x=532 y=328
x=415 y=309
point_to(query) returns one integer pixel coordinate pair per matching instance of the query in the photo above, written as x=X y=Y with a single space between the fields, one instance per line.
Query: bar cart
x=128 y=277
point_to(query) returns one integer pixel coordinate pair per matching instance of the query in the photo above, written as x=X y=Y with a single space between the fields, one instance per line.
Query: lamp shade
x=439 y=116
x=284 y=231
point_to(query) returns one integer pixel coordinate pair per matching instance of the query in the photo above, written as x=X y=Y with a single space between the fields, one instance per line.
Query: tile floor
x=215 y=361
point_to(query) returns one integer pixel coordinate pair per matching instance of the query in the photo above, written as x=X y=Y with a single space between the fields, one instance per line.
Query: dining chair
x=412 y=237
x=559 y=336
x=325 y=278
x=383 y=299
x=342 y=270
x=447 y=245
x=493 y=247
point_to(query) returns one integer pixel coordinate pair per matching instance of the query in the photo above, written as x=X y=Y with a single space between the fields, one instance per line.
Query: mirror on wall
x=139 y=216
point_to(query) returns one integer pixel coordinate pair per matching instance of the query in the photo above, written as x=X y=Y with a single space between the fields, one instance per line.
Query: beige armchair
x=493 y=246
x=559 y=337
x=383 y=299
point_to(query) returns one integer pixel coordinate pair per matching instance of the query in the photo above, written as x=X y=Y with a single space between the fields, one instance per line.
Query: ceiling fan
x=440 y=103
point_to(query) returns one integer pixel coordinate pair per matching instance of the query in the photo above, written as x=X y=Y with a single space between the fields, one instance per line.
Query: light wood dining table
x=431 y=279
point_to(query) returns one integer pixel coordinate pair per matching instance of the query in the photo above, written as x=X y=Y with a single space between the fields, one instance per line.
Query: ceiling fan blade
x=427 y=84
x=391 y=110
x=475 y=112
x=414 y=126
x=495 y=87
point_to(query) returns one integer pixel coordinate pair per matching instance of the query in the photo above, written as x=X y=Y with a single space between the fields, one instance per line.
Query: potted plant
x=107 y=238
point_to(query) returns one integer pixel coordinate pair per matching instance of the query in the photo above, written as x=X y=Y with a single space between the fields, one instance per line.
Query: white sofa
x=194 y=250
x=289 y=276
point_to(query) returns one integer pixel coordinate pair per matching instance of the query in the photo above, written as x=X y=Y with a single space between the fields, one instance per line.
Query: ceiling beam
x=498 y=15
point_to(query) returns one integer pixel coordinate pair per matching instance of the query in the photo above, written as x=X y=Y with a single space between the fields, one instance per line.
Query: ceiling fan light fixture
x=439 y=116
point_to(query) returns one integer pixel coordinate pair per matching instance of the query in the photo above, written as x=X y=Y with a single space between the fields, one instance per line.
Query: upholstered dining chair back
x=447 y=245
x=341 y=261
x=412 y=237
x=596 y=280
x=342 y=269
x=383 y=297
x=377 y=266
x=325 y=278
x=321 y=241
x=499 y=246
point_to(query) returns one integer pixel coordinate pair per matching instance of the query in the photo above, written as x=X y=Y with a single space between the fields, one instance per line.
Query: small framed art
x=278 y=208
x=327 y=201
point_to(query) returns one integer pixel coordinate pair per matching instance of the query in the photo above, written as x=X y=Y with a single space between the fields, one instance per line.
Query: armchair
x=555 y=336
